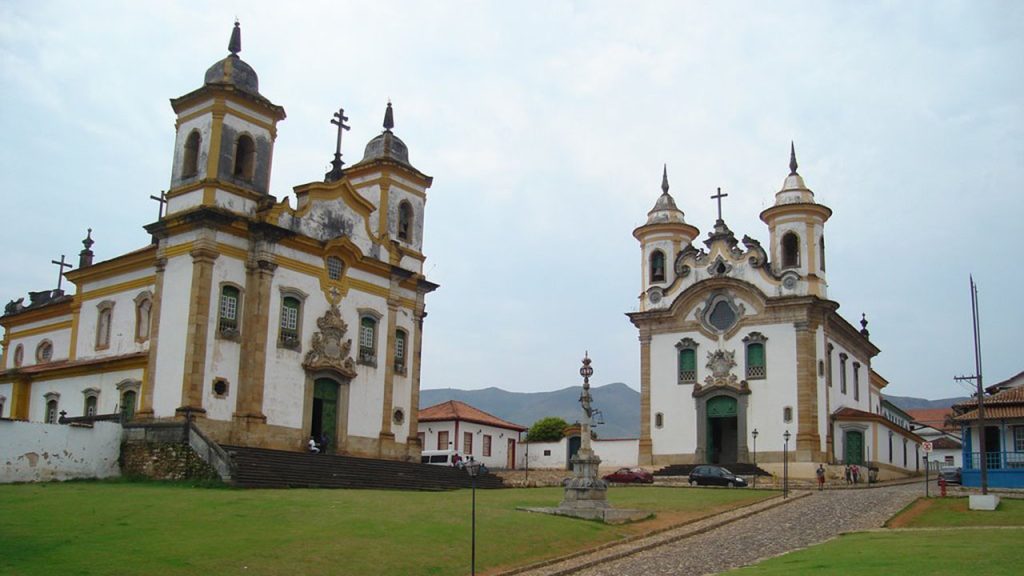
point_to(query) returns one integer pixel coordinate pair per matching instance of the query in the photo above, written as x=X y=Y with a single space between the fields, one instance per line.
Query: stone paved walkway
x=744 y=536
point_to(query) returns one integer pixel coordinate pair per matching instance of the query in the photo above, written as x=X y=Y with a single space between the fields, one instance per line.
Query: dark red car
x=631 y=475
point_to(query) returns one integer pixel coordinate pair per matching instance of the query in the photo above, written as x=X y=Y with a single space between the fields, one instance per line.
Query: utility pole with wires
x=976 y=378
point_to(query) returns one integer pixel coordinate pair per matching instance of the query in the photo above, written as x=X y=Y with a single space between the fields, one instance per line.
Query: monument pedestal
x=586 y=495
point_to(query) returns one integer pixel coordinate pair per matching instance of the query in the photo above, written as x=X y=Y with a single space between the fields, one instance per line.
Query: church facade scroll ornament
x=330 y=350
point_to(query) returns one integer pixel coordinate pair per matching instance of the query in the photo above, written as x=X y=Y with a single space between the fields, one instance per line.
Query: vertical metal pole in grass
x=925 y=458
x=754 y=434
x=473 y=467
x=785 y=465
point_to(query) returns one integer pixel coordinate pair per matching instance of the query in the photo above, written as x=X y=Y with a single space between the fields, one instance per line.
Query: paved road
x=710 y=547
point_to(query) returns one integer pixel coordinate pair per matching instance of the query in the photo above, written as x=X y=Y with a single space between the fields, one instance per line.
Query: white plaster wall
x=621 y=452
x=249 y=112
x=187 y=200
x=223 y=355
x=768 y=396
x=60 y=338
x=837 y=399
x=499 y=442
x=431 y=429
x=170 y=365
x=533 y=455
x=72 y=397
x=33 y=452
x=122 y=327
x=233 y=202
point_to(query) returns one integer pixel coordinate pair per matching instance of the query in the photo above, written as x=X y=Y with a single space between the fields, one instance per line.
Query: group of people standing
x=852 y=472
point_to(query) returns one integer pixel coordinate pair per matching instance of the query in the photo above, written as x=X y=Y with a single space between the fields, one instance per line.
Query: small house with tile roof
x=936 y=425
x=457 y=426
x=1004 y=438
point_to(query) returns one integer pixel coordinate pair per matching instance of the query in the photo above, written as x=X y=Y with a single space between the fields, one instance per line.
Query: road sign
x=926 y=447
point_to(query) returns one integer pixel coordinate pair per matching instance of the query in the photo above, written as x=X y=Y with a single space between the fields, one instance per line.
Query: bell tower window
x=790 y=250
x=405 y=221
x=821 y=252
x=245 y=158
x=657 y=266
x=190 y=163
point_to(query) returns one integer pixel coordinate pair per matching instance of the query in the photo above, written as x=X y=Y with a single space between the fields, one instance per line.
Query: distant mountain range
x=619 y=404
x=910 y=403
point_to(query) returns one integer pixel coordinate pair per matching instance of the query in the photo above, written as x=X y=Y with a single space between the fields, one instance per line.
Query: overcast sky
x=545 y=125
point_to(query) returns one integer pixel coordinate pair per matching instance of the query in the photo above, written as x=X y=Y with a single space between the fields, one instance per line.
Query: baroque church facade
x=743 y=356
x=265 y=323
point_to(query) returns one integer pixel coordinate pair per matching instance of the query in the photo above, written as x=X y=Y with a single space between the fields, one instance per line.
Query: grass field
x=120 y=528
x=992 y=552
x=988 y=543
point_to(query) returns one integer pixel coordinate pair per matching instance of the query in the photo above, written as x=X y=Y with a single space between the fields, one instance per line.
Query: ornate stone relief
x=719 y=267
x=329 y=350
x=721 y=312
x=655 y=294
x=721 y=363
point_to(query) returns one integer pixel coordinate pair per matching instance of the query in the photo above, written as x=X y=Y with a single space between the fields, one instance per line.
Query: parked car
x=951 y=474
x=714 y=476
x=631 y=475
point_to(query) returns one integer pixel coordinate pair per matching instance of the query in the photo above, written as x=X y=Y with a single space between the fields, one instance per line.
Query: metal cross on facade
x=162 y=199
x=719 y=197
x=60 y=275
x=339 y=121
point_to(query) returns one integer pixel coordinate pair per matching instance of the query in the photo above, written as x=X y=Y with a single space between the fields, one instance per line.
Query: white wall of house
x=498 y=458
x=614 y=453
x=36 y=452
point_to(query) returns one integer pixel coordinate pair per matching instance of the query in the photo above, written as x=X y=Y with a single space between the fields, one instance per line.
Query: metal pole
x=755 y=461
x=473 y=561
x=926 y=480
x=981 y=390
x=785 y=469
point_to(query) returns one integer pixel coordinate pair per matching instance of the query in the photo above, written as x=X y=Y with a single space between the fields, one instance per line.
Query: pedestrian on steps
x=820 y=473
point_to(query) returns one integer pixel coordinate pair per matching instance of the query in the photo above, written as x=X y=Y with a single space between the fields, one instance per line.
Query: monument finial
x=664 y=179
x=792 y=159
x=235 y=44
x=389 y=117
x=864 y=325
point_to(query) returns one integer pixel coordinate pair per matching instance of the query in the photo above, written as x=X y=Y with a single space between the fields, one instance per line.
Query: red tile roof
x=993 y=413
x=1006 y=404
x=847 y=413
x=455 y=410
x=945 y=443
x=934 y=417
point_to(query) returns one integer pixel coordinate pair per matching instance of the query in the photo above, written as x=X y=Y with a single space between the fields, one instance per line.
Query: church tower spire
x=796 y=226
x=662 y=237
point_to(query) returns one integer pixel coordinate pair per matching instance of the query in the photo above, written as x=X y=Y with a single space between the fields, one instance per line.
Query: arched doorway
x=324 y=419
x=722 y=430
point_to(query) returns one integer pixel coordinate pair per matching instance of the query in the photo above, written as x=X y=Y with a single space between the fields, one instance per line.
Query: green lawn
x=954 y=512
x=148 y=528
x=992 y=552
x=983 y=546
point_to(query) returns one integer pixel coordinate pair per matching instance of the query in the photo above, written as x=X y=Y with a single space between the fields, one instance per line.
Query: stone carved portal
x=329 y=349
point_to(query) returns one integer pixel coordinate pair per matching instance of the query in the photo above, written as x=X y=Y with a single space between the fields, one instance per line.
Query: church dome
x=794 y=191
x=386 y=144
x=232 y=70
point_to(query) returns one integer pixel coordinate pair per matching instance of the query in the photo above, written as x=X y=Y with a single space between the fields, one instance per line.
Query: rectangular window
x=368 y=341
x=487 y=444
x=442 y=440
x=949 y=461
x=1018 y=438
x=755 y=361
x=856 y=380
x=467 y=442
x=400 y=352
x=687 y=366
x=227 y=323
x=288 y=335
x=842 y=373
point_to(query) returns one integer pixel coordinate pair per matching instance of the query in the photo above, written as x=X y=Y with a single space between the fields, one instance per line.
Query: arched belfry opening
x=790 y=250
x=245 y=158
x=190 y=162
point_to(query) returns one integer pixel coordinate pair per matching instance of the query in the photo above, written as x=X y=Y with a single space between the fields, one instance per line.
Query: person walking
x=848 y=473
x=855 y=472
x=820 y=473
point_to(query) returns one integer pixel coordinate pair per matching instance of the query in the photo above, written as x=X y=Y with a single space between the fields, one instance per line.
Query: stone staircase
x=262 y=468
x=737 y=468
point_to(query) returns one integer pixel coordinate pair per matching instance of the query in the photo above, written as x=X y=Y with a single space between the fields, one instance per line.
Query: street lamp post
x=925 y=458
x=473 y=467
x=785 y=464
x=754 y=434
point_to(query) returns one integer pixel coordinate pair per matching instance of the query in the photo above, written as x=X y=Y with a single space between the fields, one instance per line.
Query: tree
x=550 y=429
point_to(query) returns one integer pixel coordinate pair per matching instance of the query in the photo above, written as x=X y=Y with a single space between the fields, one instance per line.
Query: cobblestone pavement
x=724 y=542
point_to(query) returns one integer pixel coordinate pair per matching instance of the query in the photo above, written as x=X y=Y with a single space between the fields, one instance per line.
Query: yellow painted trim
x=116 y=288
x=130 y=262
x=220 y=105
x=114 y=365
x=178 y=249
x=213 y=154
x=39 y=330
x=382 y=220
x=31 y=316
x=209 y=196
x=21 y=397
x=73 y=352
x=5 y=344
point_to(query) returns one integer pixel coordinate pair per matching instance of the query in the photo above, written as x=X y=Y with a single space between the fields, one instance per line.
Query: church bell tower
x=225 y=139
x=796 y=226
